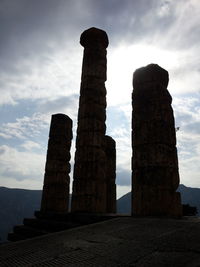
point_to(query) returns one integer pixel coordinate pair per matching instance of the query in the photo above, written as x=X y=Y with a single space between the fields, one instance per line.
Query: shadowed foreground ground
x=121 y=241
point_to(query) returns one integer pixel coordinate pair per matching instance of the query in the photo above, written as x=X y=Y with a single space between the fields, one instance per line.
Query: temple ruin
x=55 y=196
x=90 y=178
x=155 y=175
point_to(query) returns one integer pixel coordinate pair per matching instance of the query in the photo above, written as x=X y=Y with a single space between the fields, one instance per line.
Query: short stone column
x=110 y=150
x=55 y=196
x=89 y=185
x=155 y=175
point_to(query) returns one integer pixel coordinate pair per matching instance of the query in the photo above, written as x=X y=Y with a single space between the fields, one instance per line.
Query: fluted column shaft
x=155 y=175
x=89 y=185
x=110 y=150
x=55 y=195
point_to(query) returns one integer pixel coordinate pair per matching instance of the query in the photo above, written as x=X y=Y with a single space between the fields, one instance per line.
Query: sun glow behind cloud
x=124 y=60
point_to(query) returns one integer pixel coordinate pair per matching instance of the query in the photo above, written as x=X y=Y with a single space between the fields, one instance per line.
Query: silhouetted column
x=110 y=150
x=155 y=175
x=55 y=196
x=89 y=185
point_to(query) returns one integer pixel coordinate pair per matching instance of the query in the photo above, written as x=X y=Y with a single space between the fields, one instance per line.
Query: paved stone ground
x=121 y=241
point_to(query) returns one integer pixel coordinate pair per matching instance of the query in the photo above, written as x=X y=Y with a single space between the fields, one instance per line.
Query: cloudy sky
x=40 y=69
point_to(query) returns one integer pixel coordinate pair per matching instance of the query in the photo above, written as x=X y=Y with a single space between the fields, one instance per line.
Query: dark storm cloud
x=32 y=29
x=27 y=27
x=129 y=21
x=30 y=26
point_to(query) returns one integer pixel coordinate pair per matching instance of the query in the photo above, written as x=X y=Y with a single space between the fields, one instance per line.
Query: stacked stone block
x=55 y=196
x=110 y=150
x=155 y=175
x=90 y=185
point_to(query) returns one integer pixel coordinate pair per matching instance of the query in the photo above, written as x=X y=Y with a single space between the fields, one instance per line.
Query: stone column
x=55 y=196
x=110 y=150
x=89 y=185
x=155 y=175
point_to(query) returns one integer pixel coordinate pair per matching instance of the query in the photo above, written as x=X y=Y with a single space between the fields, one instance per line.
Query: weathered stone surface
x=110 y=150
x=155 y=175
x=125 y=241
x=55 y=196
x=90 y=179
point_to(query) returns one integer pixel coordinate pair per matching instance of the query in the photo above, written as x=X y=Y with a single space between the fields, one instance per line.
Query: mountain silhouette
x=189 y=196
x=16 y=204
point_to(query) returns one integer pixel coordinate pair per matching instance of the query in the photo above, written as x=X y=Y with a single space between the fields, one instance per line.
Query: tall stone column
x=55 y=196
x=110 y=150
x=155 y=175
x=89 y=185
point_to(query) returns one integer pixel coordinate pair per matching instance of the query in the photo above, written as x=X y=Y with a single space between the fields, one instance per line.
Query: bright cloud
x=20 y=166
x=54 y=78
x=29 y=145
x=26 y=127
x=187 y=114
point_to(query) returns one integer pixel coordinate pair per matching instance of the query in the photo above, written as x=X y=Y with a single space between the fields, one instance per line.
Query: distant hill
x=189 y=196
x=15 y=204
x=124 y=204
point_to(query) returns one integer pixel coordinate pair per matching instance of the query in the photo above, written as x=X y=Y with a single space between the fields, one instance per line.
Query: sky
x=40 y=71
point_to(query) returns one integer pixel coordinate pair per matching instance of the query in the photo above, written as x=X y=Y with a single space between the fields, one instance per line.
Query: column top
x=61 y=117
x=151 y=73
x=94 y=37
x=109 y=140
x=61 y=125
